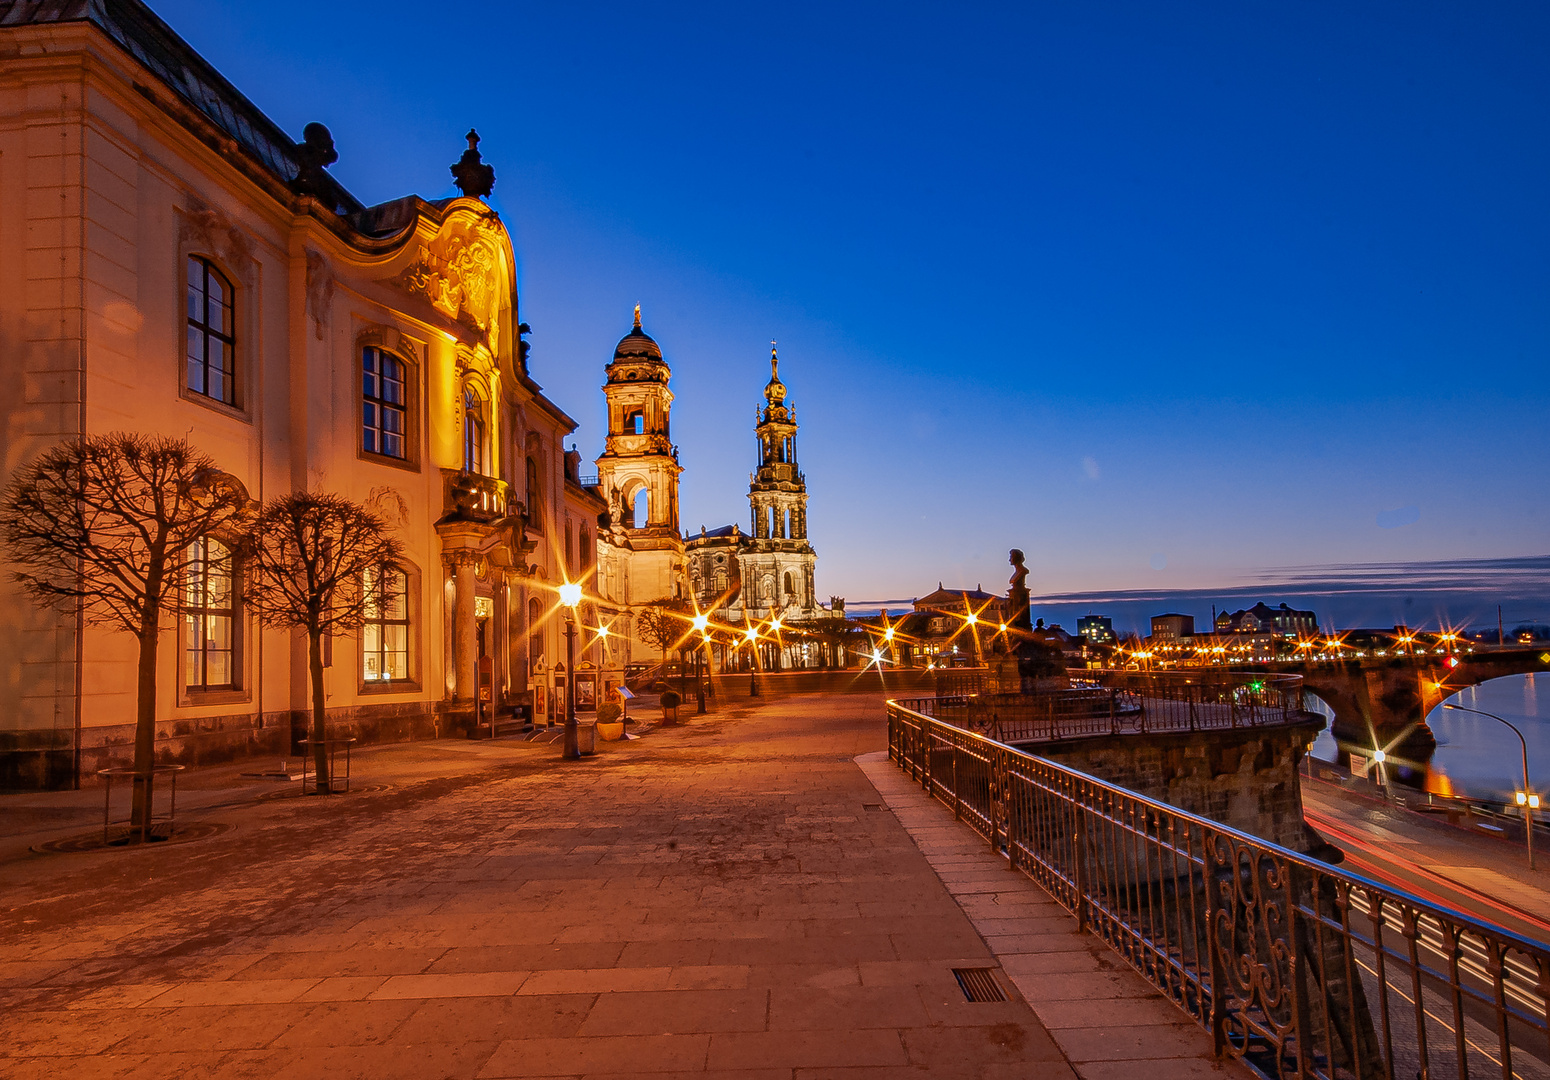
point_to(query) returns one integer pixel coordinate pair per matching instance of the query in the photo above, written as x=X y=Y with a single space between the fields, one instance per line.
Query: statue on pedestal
x=1017 y=596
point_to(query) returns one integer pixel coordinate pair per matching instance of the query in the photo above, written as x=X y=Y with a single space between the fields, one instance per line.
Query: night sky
x=1167 y=295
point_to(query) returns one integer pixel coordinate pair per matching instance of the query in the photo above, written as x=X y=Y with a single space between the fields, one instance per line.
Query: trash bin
x=586 y=736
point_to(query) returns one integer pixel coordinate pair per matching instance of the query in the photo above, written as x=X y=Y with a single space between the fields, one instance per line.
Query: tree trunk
x=145 y=730
x=319 y=716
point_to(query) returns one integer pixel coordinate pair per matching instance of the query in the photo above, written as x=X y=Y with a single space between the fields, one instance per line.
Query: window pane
x=219 y=355
x=369 y=439
x=196 y=344
x=217 y=292
x=368 y=384
x=392 y=391
x=396 y=664
x=393 y=445
x=395 y=638
x=217 y=632
x=218 y=668
x=393 y=420
x=394 y=606
x=218 y=386
x=196 y=302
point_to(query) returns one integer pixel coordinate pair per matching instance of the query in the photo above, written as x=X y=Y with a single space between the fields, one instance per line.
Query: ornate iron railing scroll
x=1296 y=967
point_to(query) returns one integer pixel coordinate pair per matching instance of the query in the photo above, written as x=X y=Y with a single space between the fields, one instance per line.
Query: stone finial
x=314 y=153
x=637 y=316
x=472 y=176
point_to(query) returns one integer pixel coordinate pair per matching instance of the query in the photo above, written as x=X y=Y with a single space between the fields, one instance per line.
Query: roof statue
x=314 y=154
x=472 y=176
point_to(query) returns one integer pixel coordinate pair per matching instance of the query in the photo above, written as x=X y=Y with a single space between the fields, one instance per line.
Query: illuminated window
x=385 y=635
x=212 y=367
x=473 y=431
x=209 y=618
x=382 y=403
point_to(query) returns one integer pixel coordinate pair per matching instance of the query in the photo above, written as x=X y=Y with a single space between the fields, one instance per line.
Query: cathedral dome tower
x=638 y=470
x=779 y=561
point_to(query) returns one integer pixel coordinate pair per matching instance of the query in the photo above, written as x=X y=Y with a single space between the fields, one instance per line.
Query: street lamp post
x=1526 y=798
x=570 y=596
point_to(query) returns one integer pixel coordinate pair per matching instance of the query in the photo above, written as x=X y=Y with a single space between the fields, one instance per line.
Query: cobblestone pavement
x=728 y=898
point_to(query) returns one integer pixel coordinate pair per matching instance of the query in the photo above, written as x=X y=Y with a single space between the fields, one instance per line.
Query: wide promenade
x=732 y=898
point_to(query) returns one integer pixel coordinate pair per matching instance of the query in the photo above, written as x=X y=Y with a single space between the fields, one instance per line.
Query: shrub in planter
x=609 y=712
x=670 y=703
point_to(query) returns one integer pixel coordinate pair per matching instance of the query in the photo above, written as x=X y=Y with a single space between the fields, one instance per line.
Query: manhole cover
x=120 y=838
x=295 y=792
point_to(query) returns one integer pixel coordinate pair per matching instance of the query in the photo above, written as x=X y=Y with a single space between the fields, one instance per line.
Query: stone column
x=465 y=646
x=500 y=643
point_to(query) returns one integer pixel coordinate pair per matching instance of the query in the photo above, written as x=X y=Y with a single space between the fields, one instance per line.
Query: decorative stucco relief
x=460 y=273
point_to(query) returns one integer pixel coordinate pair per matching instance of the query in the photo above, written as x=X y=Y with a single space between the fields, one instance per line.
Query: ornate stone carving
x=207 y=229
x=320 y=291
x=460 y=274
x=389 y=505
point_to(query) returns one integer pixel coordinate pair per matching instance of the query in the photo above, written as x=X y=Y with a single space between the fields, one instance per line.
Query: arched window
x=635 y=423
x=535 y=633
x=721 y=581
x=212 y=367
x=385 y=633
x=570 y=549
x=790 y=585
x=585 y=547
x=382 y=403
x=210 y=618
x=642 y=509
x=473 y=430
x=535 y=497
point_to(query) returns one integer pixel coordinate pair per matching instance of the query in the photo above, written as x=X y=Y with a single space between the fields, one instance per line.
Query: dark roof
x=637 y=344
x=948 y=596
x=137 y=30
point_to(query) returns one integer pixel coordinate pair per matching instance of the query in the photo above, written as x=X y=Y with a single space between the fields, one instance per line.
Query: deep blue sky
x=1165 y=294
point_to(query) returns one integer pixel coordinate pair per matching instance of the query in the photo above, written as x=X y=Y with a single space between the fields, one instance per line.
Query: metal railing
x=1295 y=967
x=1124 y=703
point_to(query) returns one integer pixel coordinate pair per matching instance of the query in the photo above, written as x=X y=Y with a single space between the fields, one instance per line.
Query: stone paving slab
x=1108 y=1021
x=714 y=901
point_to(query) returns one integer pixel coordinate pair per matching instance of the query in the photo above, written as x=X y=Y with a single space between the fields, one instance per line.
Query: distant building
x=1172 y=627
x=1262 y=619
x=987 y=606
x=1097 y=629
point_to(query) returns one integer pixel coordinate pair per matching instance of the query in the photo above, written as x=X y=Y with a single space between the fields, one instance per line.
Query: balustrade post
x=1219 y=963
x=1301 y=983
x=1079 y=856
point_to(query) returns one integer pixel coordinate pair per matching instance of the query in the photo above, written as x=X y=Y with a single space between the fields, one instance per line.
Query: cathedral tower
x=778 y=565
x=638 y=470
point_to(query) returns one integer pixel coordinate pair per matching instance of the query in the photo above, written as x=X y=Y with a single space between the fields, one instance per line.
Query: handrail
x=1297 y=968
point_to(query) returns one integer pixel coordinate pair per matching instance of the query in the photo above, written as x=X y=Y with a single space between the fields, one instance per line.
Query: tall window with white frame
x=385 y=634
x=212 y=341
x=383 y=409
x=209 y=618
x=473 y=431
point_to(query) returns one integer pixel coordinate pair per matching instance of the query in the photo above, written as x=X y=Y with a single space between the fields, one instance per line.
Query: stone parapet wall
x=1246 y=778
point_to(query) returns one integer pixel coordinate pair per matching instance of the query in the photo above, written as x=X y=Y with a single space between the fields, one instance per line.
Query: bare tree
x=660 y=624
x=320 y=564
x=112 y=524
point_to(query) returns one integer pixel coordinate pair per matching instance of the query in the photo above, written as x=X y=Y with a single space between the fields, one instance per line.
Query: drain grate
x=871 y=806
x=979 y=984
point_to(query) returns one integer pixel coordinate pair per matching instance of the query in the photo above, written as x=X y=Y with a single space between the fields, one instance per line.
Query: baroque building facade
x=171 y=261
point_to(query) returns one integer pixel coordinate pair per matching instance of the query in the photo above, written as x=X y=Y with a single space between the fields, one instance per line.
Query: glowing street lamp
x=570 y=596
x=1526 y=798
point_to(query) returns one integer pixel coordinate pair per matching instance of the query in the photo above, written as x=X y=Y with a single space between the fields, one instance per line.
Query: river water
x=1477 y=756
